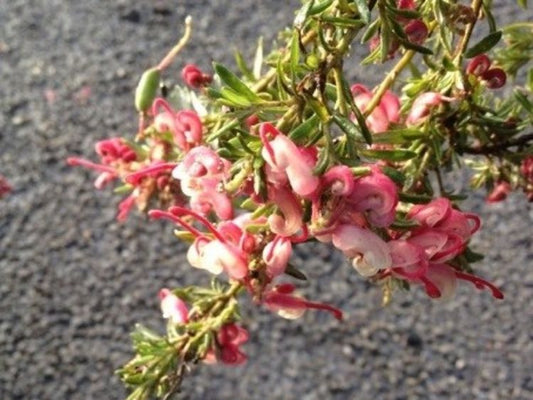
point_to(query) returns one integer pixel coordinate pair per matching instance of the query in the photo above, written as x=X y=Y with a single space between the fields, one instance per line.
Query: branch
x=498 y=147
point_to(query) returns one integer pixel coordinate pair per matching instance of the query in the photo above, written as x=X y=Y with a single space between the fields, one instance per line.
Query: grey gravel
x=73 y=281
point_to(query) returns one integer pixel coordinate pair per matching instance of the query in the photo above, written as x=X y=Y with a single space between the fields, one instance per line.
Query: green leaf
x=484 y=45
x=302 y=14
x=414 y=198
x=295 y=272
x=371 y=31
x=346 y=125
x=305 y=129
x=320 y=7
x=234 y=83
x=258 y=59
x=471 y=256
x=415 y=47
x=389 y=155
x=399 y=136
x=344 y=22
x=241 y=64
x=394 y=174
x=358 y=114
x=523 y=100
x=295 y=53
x=363 y=9
x=234 y=98
x=404 y=13
x=322 y=163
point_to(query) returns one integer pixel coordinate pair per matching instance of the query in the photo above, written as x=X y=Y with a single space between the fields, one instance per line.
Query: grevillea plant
x=247 y=165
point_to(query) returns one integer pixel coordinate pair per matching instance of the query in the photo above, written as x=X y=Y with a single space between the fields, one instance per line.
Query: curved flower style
x=282 y=300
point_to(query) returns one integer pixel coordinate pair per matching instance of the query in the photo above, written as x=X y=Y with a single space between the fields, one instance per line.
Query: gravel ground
x=73 y=282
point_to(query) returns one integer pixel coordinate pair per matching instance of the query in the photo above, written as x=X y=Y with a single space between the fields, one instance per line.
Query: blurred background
x=73 y=281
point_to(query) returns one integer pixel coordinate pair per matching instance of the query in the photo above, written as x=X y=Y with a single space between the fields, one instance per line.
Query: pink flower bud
x=423 y=105
x=478 y=65
x=416 y=31
x=276 y=255
x=173 y=307
x=194 y=77
x=526 y=169
x=499 y=193
x=406 y=4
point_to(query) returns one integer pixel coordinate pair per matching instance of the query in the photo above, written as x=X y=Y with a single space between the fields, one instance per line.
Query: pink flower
x=494 y=78
x=499 y=193
x=173 y=307
x=422 y=106
x=114 y=150
x=185 y=125
x=227 y=251
x=526 y=169
x=409 y=260
x=286 y=304
x=440 y=215
x=276 y=255
x=290 y=220
x=228 y=341
x=284 y=157
x=478 y=65
x=116 y=157
x=387 y=111
x=5 y=187
x=416 y=31
x=202 y=173
x=440 y=246
x=377 y=196
x=194 y=77
x=440 y=281
x=369 y=253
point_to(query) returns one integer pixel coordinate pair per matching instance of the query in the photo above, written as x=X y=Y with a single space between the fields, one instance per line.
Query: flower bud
x=194 y=77
x=478 y=65
x=494 y=77
x=173 y=307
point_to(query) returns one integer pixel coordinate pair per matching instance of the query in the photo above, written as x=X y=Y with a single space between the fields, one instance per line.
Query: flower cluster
x=247 y=168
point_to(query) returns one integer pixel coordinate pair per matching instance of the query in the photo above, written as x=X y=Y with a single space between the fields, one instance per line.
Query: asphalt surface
x=73 y=281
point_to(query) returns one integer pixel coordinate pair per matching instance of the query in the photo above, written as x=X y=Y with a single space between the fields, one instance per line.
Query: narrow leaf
x=295 y=272
x=233 y=82
x=484 y=45
x=362 y=6
x=389 y=155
